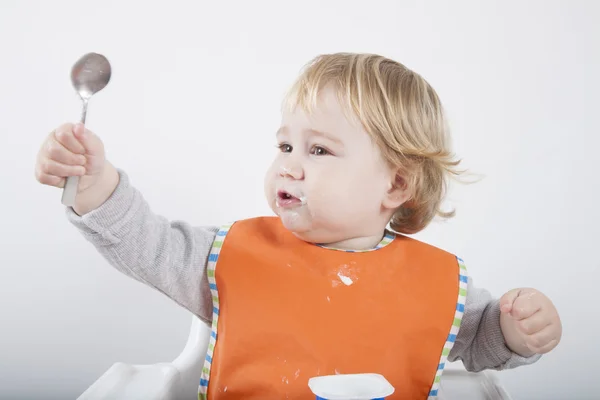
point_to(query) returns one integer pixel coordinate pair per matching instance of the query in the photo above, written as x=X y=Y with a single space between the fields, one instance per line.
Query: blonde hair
x=403 y=115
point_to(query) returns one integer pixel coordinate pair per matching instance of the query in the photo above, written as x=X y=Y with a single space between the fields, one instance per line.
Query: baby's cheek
x=319 y=199
x=335 y=199
x=269 y=186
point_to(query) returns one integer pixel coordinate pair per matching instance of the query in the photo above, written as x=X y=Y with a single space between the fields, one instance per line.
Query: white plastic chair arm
x=458 y=383
x=126 y=381
x=164 y=381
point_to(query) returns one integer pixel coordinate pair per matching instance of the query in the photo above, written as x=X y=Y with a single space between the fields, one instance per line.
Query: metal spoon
x=90 y=74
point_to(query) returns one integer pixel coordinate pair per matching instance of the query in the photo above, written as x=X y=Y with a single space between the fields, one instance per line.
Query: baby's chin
x=303 y=228
x=294 y=221
x=308 y=237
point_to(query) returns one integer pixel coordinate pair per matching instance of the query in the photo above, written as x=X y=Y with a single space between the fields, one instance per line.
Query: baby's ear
x=398 y=192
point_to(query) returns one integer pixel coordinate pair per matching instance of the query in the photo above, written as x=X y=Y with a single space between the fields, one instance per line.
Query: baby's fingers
x=534 y=324
x=543 y=341
x=526 y=305
x=65 y=136
x=54 y=168
x=50 y=180
x=59 y=153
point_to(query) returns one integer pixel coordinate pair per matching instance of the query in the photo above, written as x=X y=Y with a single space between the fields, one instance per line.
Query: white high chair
x=179 y=379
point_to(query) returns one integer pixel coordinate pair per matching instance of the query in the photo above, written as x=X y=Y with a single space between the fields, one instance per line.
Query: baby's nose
x=291 y=171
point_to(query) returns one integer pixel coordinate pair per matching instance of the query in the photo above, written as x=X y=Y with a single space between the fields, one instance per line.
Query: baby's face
x=328 y=182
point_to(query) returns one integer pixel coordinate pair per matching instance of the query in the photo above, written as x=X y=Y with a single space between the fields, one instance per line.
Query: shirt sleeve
x=480 y=343
x=169 y=256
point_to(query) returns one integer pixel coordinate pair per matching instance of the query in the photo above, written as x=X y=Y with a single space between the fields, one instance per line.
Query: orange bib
x=286 y=310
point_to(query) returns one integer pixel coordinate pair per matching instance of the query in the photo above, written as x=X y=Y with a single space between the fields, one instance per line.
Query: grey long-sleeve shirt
x=171 y=257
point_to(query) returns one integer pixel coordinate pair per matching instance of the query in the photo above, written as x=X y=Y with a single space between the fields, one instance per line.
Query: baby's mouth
x=288 y=200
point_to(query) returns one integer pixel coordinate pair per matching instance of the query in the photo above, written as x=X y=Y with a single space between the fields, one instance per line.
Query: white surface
x=191 y=113
x=179 y=380
x=457 y=383
x=173 y=380
x=126 y=381
x=351 y=386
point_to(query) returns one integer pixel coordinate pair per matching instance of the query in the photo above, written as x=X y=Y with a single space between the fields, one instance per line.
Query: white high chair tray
x=179 y=379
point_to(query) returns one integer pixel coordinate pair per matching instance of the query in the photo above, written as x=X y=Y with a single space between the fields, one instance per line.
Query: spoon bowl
x=89 y=75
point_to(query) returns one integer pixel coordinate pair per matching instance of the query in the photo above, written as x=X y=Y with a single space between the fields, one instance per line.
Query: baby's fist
x=529 y=321
x=70 y=150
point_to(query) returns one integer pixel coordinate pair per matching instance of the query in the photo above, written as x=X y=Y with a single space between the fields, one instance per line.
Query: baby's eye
x=319 y=151
x=285 y=148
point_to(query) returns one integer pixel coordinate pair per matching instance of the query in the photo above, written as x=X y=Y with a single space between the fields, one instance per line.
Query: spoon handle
x=72 y=182
x=70 y=191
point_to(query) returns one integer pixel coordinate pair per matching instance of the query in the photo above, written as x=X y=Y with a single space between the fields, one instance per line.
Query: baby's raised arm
x=169 y=256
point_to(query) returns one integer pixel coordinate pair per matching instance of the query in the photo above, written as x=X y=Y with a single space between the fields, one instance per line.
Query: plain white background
x=191 y=112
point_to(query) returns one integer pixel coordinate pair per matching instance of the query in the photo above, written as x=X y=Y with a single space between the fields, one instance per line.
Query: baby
x=323 y=287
